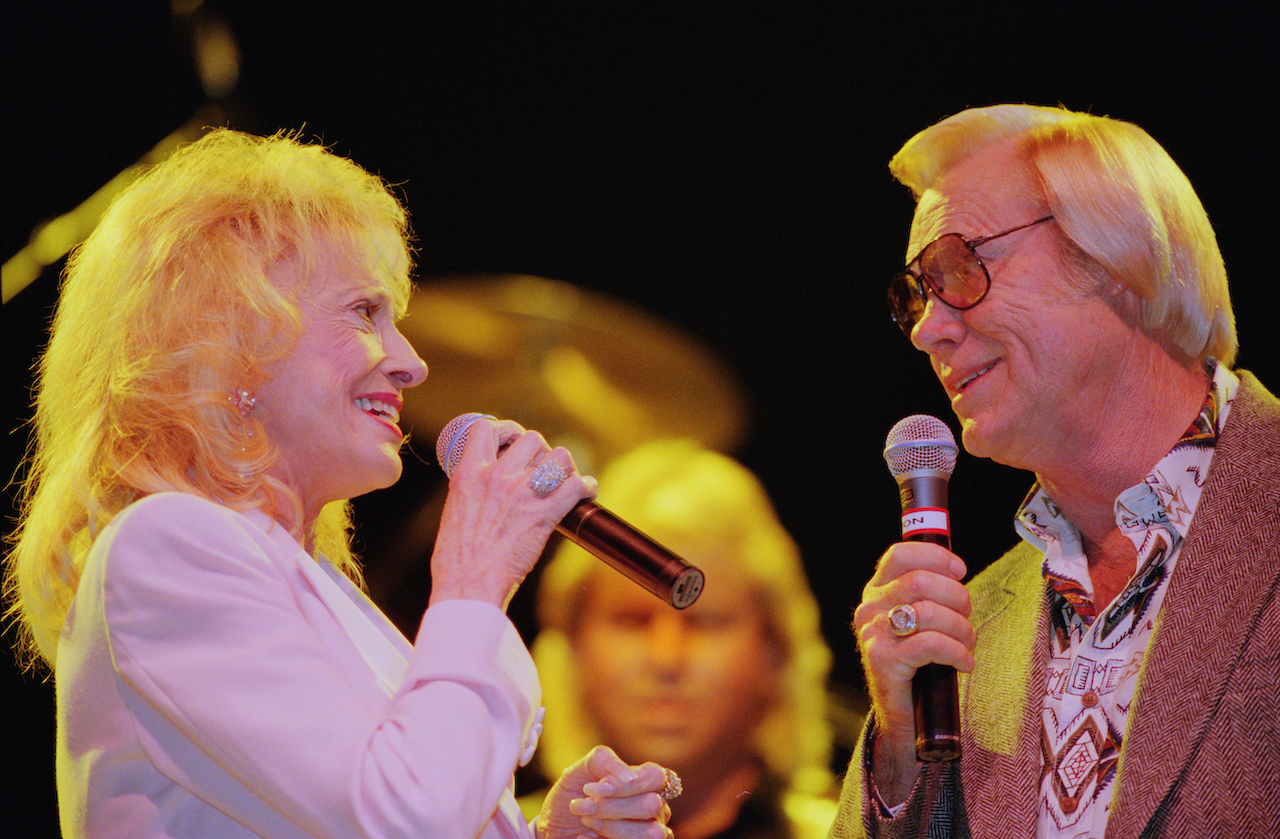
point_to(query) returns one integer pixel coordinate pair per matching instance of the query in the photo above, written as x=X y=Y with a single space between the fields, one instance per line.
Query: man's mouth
x=967 y=380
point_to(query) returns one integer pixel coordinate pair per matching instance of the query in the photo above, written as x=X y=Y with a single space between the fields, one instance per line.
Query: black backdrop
x=720 y=165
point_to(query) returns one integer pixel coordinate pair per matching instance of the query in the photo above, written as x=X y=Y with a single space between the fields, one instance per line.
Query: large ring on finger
x=547 y=477
x=903 y=620
x=672 y=788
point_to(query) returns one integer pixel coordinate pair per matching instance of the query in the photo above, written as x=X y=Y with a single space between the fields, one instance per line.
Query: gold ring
x=903 y=620
x=672 y=787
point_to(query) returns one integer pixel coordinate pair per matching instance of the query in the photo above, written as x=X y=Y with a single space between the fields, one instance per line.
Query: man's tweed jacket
x=1201 y=757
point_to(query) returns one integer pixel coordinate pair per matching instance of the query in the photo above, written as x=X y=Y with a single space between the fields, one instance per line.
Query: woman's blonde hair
x=1127 y=211
x=674 y=490
x=166 y=312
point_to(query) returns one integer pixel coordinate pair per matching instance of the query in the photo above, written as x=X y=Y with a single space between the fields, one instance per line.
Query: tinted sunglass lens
x=953 y=272
x=904 y=301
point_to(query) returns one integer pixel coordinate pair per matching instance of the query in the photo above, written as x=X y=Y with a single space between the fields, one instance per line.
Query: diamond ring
x=547 y=478
x=903 y=620
x=672 y=787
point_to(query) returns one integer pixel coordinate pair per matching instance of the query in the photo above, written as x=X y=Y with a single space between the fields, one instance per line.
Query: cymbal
x=590 y=372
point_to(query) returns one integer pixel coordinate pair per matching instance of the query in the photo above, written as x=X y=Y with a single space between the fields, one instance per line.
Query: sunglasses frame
x=906 y=322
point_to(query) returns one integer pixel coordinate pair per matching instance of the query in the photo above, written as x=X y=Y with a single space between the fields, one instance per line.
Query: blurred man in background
x=729 y=692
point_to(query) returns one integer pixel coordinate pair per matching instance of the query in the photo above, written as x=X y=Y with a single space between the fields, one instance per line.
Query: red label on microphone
x=926 y=520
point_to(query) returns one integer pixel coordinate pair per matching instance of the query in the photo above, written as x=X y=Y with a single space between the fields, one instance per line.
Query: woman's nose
x=406 y=366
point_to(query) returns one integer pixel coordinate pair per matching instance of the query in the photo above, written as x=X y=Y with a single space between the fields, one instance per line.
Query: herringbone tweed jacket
x=1201 y=757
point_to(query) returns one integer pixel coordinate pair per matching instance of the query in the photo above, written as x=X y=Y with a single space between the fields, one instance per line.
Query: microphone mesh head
x=452 y=439
x=920 y=442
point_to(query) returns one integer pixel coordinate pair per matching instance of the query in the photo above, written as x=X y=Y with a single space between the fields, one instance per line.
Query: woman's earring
x=244 y=400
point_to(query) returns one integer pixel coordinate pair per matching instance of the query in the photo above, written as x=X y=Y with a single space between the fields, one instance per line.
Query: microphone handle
x=935 y=693
x=604 y=535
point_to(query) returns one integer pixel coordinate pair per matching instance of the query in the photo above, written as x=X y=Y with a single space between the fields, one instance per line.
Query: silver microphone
x=921 y=453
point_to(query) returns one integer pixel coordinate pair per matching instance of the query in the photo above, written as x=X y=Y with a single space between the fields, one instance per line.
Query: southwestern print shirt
x=1096 y=650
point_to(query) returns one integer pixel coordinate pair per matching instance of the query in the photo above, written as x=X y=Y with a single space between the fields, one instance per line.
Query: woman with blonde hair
x=225 y=372
x=730 y=692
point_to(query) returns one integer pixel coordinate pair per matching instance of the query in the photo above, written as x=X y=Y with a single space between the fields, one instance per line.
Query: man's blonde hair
x=1127 y=211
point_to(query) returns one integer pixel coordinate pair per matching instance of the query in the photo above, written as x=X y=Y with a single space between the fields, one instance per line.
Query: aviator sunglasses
x=952 y=270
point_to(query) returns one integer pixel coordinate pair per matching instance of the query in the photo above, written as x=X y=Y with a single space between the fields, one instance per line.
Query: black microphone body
x=935 y=691
x=601 y=533
x=921 y=457
x=607 y=537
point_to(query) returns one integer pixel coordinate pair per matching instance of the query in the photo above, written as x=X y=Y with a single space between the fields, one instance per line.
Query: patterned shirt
x=1096 y=650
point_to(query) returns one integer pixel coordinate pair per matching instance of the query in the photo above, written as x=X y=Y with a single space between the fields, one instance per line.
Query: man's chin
x=668 y=747
x=972 y=437
x=981 y=438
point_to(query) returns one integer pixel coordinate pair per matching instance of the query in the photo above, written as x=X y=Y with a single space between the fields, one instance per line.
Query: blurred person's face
x=682 y=688
x=333 y=405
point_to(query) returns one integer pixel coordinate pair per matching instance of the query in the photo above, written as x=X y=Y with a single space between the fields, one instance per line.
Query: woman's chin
x=385 y=473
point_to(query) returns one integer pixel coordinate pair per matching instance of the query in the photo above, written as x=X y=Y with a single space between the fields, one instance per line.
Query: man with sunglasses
x=1119 y=672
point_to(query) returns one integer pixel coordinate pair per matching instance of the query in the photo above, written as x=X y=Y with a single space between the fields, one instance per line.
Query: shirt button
x=1069 y=804
x=1089 y=699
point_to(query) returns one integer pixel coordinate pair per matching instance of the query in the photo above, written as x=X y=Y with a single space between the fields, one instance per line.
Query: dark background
x=719 y=165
